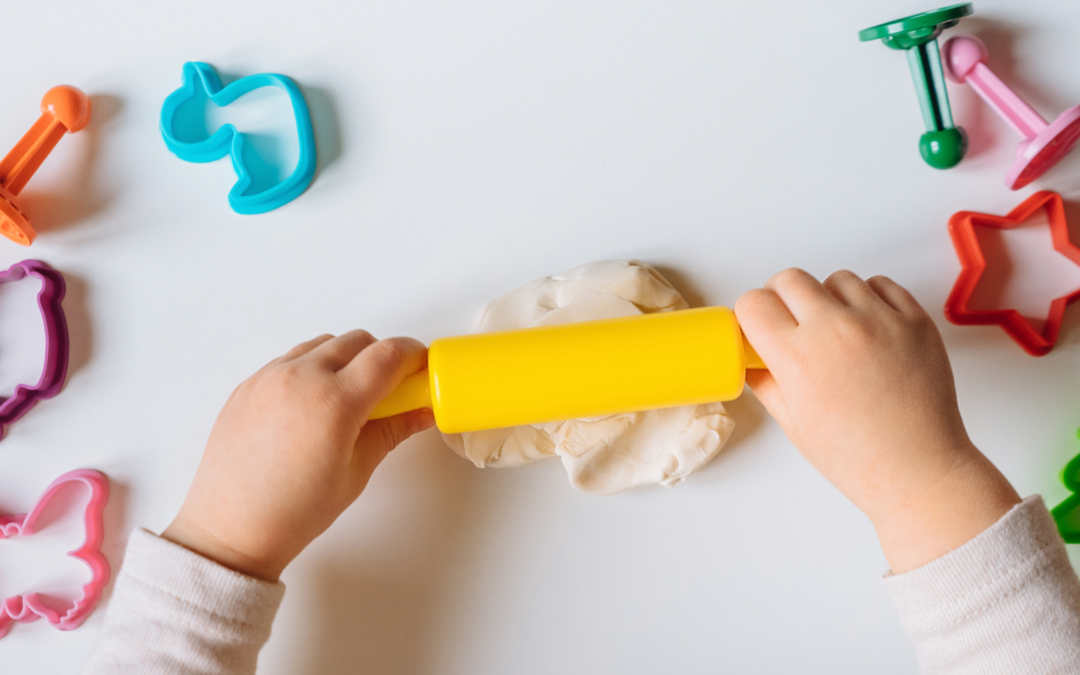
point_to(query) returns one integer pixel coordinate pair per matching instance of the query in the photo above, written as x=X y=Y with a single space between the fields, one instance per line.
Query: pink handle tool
x=1044 y=144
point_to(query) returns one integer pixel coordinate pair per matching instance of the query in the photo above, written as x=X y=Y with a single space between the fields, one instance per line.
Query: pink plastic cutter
x=1045 y=144
x=30 y=607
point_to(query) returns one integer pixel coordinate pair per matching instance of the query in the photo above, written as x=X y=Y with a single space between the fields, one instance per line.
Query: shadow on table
x=325 y=124
x=748 y=414
x=378 y=615
x=80 y=328
x=116 y=533
x=80 y=197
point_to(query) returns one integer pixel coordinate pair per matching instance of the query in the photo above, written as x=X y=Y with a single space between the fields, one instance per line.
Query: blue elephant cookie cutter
x=228 y=141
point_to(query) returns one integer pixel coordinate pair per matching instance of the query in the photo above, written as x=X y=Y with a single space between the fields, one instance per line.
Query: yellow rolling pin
x=586 y=369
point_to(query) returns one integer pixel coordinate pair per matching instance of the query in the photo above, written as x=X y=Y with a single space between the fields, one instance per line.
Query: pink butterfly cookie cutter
x=57 y=345
x=31 y=607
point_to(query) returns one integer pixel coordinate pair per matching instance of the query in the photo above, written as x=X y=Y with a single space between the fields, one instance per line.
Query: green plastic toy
x=943 y=145
x=1067 y=513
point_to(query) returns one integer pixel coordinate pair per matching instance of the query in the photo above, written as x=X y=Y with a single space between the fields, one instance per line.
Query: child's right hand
x=293 y=447
x=859 y=380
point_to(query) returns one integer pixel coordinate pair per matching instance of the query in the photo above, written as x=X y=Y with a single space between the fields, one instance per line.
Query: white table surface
x=466 y=148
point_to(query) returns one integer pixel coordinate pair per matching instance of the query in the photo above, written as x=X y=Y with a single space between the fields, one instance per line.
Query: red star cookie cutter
x=962 y=229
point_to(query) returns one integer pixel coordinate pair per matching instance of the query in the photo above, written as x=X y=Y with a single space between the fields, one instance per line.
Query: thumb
x=768 y=392
x=378 y=437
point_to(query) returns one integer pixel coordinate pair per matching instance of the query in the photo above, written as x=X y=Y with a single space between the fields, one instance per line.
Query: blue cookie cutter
x=227 y=140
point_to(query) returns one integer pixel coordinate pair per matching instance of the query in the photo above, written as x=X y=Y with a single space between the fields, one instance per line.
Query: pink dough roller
x=1044 y=145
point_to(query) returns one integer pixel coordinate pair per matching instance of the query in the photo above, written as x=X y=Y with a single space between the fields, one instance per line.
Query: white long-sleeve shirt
x=176 y=612
x=1007 y=601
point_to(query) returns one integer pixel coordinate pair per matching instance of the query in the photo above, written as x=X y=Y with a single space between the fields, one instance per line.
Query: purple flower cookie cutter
x=57 y=346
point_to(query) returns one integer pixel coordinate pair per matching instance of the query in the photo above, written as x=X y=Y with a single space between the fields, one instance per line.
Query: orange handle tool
x=64 y=110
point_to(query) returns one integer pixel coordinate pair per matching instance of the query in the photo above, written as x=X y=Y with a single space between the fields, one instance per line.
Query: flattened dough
x=605 y=455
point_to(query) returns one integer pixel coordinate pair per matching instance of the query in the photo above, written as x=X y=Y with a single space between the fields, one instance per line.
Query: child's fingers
x=801 y=293
x=378 y=369
x=767 y=391
x=379 y=437
x=303 y=348
x=764 y=310
x=851 y=290
x=334 y=354
x=764 y=320
x=895 y=295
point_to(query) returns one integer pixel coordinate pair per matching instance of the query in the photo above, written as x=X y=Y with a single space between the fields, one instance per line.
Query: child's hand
x=859 y=380
x=293 y=448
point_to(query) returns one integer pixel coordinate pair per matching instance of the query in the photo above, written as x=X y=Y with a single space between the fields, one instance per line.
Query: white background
x=465 y=148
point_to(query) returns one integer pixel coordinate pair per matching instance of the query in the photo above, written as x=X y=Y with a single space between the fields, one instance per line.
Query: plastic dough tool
x=586 y=369
x=57 y=345
x=30 y=607
x=1067 y=513
x=973 y=261
x=227 y=141
x=943 y=145
x=1044 y=144
x=63 y=110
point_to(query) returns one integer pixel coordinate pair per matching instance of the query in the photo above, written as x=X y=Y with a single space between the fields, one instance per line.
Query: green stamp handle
x=944 y=144
x=1067 y=513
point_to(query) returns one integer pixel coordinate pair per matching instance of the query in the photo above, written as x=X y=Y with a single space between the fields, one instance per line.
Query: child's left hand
x=293 y=447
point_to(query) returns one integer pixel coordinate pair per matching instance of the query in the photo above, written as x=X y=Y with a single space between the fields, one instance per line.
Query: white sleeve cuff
x=1008 y=596
x=174 y=611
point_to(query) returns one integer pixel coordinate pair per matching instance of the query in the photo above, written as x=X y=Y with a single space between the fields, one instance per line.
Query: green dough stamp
x=943 y=145
x=1067 y=513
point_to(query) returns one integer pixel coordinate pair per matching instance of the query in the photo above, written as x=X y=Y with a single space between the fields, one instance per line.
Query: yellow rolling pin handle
x=587 y=369
x=413 y=393
x=753 y=361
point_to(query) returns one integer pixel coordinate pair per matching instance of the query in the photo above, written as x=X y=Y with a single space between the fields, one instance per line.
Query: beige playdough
x=606 y=455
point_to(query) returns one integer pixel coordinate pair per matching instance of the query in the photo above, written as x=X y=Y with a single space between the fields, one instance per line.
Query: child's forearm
x=1008 y=601
x=946 y=510
x=175 y=612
